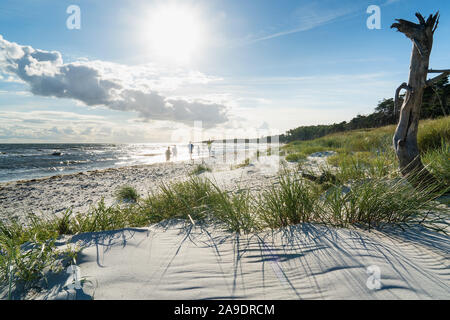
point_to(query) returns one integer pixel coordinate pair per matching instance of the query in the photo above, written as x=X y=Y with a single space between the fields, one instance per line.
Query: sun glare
x=175 y=32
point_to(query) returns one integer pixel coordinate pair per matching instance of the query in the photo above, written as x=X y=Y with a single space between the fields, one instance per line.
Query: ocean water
x=30 y=161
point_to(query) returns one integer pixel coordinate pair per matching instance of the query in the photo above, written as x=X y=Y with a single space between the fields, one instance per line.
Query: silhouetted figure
x=224 y=150
x=235 y=150
x=174 y=151
x=191 y=149
x=168 y=153
x=209 y=147
x=257 y=148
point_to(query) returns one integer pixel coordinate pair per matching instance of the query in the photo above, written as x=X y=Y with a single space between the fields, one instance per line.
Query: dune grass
x=244 y=164
x=295 y=157
x=438 y=162
x=365 y=162
x=182 y=200
x=369 y=153
x=430 y=135
x=234 y=211
x=367 y=203
x=127 y=194
x=289 y=202
x=201 y=168
x=378 y=202
x=28 y=252
x=363 y=165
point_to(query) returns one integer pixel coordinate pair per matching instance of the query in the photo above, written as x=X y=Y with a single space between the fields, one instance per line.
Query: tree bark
x=405 y=137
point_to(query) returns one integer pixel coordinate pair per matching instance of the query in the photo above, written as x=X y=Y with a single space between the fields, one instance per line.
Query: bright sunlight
x=175 y=32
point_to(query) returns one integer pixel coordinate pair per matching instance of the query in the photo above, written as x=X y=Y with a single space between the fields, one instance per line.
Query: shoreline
x=34 y=164
x=90 y=171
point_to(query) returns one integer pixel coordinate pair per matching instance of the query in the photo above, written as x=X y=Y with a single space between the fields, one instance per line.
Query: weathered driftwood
x=405 y=137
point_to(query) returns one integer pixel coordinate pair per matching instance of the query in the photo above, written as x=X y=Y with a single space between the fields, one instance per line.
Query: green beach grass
x=201 y=168
x=127 y=194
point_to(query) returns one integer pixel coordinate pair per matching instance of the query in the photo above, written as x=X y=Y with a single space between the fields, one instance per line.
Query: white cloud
x=61 y=126
x=118 y=87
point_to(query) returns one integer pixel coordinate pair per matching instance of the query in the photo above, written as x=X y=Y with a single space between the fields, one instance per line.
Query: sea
x=31 y=161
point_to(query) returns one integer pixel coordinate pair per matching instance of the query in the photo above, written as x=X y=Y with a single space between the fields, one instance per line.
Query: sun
x=175 y=32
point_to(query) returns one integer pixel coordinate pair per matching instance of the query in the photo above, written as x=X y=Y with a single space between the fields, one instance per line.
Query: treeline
x=435 y=104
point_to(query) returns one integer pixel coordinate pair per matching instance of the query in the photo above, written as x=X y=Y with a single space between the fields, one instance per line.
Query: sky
x=142 y=71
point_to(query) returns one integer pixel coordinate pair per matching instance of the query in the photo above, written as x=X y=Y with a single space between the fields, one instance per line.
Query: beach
x=182 y=259
x=79 y=191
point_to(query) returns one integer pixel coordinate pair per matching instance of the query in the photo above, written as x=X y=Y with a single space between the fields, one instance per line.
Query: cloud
x=99 y=83
x=307 y=17
x=315 y=14
x=60 y=126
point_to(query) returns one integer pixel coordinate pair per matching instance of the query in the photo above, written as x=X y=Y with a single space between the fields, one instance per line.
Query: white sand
x=176 y=260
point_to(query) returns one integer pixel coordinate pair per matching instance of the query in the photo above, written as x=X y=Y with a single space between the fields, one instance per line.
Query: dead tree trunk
x=405 y=137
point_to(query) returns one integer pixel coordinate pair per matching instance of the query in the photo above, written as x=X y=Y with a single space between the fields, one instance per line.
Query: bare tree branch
x=405 y=86
x=440 y=100
x=436 y=79
x=438 y=71
x=437 y=22
x=420 y=18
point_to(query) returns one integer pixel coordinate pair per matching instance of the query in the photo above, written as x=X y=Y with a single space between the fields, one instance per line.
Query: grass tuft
x=244 y=164
x=201 y=168
x=380 y=201
x=127 y=194
x=290 y=202
x=234 y=210
x=295 y=157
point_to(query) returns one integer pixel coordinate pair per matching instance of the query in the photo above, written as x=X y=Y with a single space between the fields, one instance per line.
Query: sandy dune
x=176 y=260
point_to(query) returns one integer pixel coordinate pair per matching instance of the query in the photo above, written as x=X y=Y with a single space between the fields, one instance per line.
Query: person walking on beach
x=168 y=154
x=209 y=147
x=174 y=151
x=191 y=149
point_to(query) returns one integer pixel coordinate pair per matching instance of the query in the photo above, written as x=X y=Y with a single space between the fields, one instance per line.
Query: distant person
x=174 y=151
x=168 y=153
x=191 y=149
x=209 y=147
